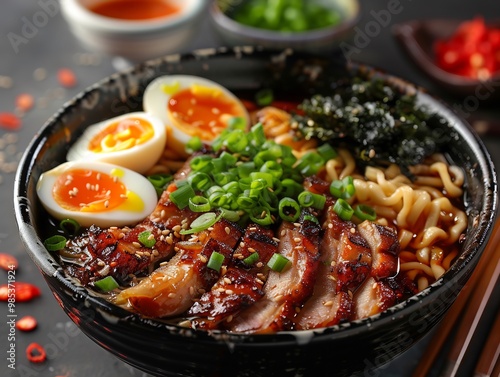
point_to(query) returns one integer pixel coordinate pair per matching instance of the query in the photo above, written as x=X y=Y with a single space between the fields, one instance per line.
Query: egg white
x=155 y=102
x=138 y=188
x=140 y=157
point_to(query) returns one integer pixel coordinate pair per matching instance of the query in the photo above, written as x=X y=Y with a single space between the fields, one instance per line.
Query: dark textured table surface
x=29 y=64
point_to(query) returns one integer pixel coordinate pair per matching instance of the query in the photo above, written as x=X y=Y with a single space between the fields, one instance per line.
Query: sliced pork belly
x=384 y=246
x=285 y=291
x=373 y=297
x=352 y=260
x=118 y=252
x=171 y=288
x=325 y=307
x=241 y=285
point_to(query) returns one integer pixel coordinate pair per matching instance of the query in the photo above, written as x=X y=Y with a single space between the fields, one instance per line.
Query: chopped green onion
x=199 y=203
x=159 y=182
x=291 y=188
x=343 y=209
x=264 y=97
x=310 y=163
x=194 y=144
x=326 y=152
x=237 y=123
x=146 y=238
x=310 y=217
x=228 y=158
x=215 y=261
x=69 y=226
x=232 y=187
x=288 y=209
x=55 y=243
x=107 y=284
x=236 y=141
x=261 y=215
x=245 y=169
x=201 y=163
x=278 y=262
x=273 y=168
x=218 y=198
x=200 y=181
x=202 y=222
x=344 y=188
x=310 y=199
x=245 y=201
x=364 y=212
x=181 y=196
x=230 y=215
x=257 y=135
x=251 y=259
x=349 y=189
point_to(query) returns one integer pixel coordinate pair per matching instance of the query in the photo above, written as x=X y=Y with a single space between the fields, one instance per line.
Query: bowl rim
x=51 y=269
x=78 y=14
x=227 y=23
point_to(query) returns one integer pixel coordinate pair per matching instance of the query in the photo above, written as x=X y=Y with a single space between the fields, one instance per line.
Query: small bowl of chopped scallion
x=312 y=25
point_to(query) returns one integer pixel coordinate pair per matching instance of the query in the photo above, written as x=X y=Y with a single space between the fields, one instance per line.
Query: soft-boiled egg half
x=191 y=106
x=94 y=192
x=134 y=140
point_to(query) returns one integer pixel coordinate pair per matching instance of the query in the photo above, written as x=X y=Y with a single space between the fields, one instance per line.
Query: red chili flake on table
x=66 y=77
x=9 y=121
x=25 y=102
x=21 y=291
x=27 y=323
x=36 y=353
x=472 y=51
x=8 y=262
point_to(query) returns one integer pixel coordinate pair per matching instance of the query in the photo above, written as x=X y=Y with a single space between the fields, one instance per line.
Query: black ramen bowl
x=168 y=350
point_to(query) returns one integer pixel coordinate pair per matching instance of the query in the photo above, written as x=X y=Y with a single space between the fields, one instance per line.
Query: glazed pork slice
x=384 y=245
x=284 y=291
x=171 y=288
x=241 y=285
x=373 y=297
x=345 y=263
x=354 y=260
x=326 y=306
x=119 y=252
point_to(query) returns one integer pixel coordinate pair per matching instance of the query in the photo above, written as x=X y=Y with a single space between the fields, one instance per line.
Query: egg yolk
x=121 y=135
x=82 y=190
x=202 y=111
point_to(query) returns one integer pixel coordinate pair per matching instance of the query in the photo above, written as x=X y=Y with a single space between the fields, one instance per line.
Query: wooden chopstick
x=450 y=320
x=473 y=315
x=491 y=352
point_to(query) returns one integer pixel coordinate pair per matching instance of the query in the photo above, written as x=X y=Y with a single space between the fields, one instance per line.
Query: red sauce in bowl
x=135 y=9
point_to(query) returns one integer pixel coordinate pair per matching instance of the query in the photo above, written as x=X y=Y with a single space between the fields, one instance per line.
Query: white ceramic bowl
x=131 y=39
x=320 y=40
